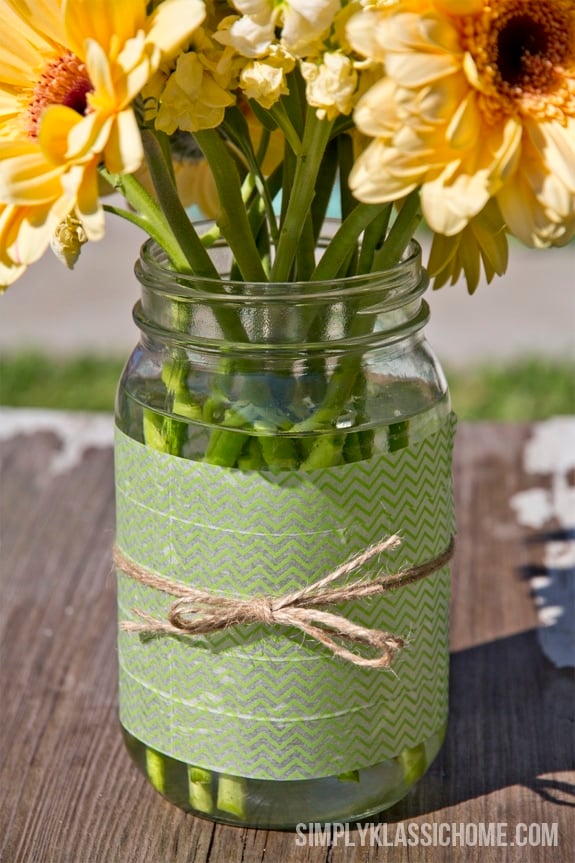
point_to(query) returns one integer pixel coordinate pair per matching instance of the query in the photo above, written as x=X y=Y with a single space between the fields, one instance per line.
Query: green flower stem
x=233 y=218
x=263 y=145
x=287 y=180
x=147 y=215
x=280 y=452
x=257 y=210
x=232 y=441
x=262 y=240
x=316 y=136
x=326 y=451
x=200 y=789
x=341 y=384
x=152 y=230
x=345 y=162
x=197 y=259
x=251 y=457
x=373 y=238
x=350 y=776
x=346 y=236
x=398 y=435
x=156 y=769
x=337 y=393
x=232 y=795
x=413 y=762
x=163 y=433
x=366 y=441
x=225 y=446
x=324 y=186
x=169 y=433
x=175 y=377
x=293 y=107
x=236 y=127
x=352 y=450
x=281 y=117
x=305 y=261
x=403 y=229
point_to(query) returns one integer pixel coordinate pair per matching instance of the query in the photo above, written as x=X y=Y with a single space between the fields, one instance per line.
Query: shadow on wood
x=512 y=716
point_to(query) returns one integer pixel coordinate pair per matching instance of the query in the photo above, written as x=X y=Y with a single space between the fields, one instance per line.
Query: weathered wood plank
x=68 y=791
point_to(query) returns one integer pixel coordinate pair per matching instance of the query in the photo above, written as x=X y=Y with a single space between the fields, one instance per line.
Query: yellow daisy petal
x=9 y=272
x=69 y=70
x=419 y=70
x=556 y=145
x=20 y=44
x=108 y=22
x=465 y=125
x=25 y=231
x=172 y=22
x=57 y=125
x=88 y=207
x=34 y=231
x=124 y=152
x=461 y=7
x=43 y=17
x=100 y=72
x=479 y=103
x=89 y=136
x=26 y=177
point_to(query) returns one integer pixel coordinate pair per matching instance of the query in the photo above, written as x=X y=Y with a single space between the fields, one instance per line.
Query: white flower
x=305 y=21
x=265 y=80
x=192 y=98
x=331 y=85
x=250 y=35
x=302 y=23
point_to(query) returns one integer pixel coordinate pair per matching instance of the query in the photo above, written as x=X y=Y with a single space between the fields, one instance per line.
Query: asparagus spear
x=232 y=795
x=200 y=789
x=413 y=762
x=155 y=768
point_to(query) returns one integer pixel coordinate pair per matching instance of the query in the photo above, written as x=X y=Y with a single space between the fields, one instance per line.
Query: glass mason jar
x=277 y=380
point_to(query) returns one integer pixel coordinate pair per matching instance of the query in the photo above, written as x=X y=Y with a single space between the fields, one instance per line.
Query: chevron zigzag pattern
x=255 y=701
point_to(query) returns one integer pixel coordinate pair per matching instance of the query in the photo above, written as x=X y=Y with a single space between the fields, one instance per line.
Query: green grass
x=526 y=390
x=531 y=389
x=34 y=380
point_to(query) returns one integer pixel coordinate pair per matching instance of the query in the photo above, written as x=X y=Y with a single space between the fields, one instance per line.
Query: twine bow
x=197 y=612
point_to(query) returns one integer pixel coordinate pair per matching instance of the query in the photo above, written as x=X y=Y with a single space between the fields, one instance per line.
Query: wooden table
x=68 y=791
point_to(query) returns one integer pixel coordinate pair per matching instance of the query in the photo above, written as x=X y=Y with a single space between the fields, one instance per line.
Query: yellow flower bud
x=67 y=241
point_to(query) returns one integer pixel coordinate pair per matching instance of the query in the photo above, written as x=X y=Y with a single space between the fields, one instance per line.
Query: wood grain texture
x=68 y=791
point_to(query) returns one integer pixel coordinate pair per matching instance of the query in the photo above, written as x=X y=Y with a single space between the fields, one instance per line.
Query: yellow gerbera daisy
x=69 y=71
x=482 y=244
x=478 y=102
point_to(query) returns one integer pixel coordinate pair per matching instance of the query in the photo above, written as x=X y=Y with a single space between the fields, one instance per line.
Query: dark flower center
x=76 y=98
x=531 y=43
x=64 y=81
x=518 y=44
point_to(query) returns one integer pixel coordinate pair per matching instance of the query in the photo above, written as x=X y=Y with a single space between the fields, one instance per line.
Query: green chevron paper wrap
x=268 y=702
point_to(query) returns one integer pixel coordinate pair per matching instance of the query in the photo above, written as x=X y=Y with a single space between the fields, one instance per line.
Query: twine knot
x=263 y=609
x=197 y=612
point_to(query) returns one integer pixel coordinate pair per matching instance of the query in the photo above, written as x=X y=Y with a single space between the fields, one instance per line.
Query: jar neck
x=374 y=309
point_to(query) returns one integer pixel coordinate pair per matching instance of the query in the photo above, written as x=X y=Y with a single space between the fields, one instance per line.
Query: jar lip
x=154 y=270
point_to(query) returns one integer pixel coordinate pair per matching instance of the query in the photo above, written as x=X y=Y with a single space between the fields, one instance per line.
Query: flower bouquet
x=283 y=429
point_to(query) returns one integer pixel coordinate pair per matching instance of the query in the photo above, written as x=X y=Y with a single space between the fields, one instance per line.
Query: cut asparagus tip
x=200 y=789
x=413 y=762
x=155 y=768
x=349 y=776
x=232 y=795
x=398 y=435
